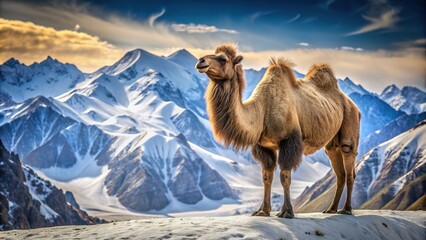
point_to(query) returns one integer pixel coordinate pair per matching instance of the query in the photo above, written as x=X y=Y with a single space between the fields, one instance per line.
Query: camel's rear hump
x=322 y=76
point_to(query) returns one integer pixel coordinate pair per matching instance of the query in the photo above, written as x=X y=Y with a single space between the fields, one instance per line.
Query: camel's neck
x=234 y=122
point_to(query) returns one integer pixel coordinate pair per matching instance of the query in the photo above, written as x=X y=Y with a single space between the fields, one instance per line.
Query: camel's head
x=221 y=65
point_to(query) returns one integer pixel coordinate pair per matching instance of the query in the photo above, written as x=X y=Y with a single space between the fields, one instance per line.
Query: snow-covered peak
x=409 y=91
x=390 y=91
x=182 y=53
x=185 y=59
x=409 y=99
x=138 y=64
x=349 y=87
x=141 y=61
x=49 y=60
x=11 y=62
x=30 y=106
x=125 y=62
x=49 y=63
x=48 y=78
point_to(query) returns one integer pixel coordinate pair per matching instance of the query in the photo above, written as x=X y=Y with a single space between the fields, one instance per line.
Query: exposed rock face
x=27 y=201
x=196 y=133
x=137 y=188
x=184 y=181
x=69 y=197
x=144 y=180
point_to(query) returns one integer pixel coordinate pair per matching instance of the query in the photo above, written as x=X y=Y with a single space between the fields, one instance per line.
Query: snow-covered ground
x=366 y=224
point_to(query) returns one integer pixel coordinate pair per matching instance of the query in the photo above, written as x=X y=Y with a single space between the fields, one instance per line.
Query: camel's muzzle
x=202 y=66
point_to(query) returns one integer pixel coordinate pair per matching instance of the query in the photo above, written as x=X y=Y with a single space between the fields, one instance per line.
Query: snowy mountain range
x=134 y=136
x=408 y=99
x=48 y=78
x=121 y=124
x=390 y=176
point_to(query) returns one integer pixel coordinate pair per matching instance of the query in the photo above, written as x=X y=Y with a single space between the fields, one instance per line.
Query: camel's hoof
x=286 y=214
x=260 y=213
x=329 y=211
x=344 y=211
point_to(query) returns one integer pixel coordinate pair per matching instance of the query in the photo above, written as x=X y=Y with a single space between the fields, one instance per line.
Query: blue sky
x=277 y=24
x=319 y=23
x=375 y=42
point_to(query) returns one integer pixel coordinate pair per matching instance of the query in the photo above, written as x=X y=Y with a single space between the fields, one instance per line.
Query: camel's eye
x=222 y=60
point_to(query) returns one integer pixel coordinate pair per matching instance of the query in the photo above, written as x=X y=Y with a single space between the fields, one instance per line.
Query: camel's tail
x=322 y=75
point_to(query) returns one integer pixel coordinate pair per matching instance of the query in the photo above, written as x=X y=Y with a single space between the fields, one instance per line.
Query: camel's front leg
x=265 y=208
x=289 y=158
x=287 y=209
x=267 y=159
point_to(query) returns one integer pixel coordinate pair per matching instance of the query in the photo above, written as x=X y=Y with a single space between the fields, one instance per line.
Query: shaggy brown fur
x=284 y=114
x=227 y=48
x=290 y=151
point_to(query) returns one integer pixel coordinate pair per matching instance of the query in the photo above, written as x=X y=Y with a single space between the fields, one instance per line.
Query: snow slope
x=369 y=225
x=391 y=166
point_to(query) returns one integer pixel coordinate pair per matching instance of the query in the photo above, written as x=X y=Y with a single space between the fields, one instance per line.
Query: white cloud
x=257 y=15
x=121 y=31
x=200 y=28
x=346 y=48
x=29 y=42
x=326 y=4
x=152 y=18
x=295 y=18
x=304 y=44
x=416 y=43
x=382 y=16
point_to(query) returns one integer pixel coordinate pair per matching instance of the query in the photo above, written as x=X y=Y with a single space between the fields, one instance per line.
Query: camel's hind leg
x=349 y=138
x=349 y=164
x=333 y=151
x=268 y=159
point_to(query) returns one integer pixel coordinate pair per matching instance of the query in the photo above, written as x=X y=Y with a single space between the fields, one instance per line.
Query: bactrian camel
x=285 y=115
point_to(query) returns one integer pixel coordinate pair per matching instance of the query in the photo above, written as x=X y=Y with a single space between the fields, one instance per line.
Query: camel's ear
x=237 y=59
